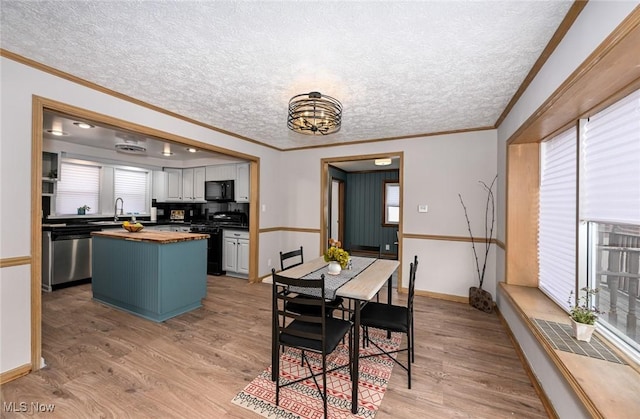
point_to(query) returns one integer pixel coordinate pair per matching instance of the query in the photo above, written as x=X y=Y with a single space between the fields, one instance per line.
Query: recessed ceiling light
x=382 y=162
x=191 y=150
x=57 y=132
x=83 y=125
x=167 y=153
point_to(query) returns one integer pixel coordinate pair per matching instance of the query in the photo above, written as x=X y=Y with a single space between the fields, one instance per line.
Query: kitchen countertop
x=160 y=237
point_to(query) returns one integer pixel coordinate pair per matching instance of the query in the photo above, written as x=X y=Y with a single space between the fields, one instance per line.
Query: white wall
x=436 y=169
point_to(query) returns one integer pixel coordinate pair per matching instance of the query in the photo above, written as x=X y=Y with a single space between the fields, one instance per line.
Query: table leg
x=356 y=358
x=389 y=286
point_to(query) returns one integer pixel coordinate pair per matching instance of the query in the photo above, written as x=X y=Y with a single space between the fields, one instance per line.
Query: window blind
x=392 y=204
x=557 y=217
x=611 y=148
x=79 y=185
x=131 y=186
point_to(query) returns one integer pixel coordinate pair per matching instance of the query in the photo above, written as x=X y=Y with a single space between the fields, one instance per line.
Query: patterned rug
x=302 y=400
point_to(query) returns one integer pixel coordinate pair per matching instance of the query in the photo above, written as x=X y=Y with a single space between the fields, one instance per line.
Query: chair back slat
x=366 y=249
x=284 y=259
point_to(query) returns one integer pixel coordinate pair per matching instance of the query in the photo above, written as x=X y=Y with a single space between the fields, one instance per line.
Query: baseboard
x=18 y=372
x=446 y=297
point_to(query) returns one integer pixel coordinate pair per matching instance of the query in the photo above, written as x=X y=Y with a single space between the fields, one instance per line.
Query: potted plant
x=337 y=257
x=479 y=298
x=83 y=209
x=583 y=315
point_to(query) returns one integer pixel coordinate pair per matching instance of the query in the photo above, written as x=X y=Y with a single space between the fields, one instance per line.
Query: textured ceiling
x=399 y=68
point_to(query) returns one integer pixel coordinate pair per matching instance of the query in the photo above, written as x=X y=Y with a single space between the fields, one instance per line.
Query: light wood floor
x=106 y=363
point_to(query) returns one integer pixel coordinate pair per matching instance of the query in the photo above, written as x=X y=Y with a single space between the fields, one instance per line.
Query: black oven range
x=214 y=228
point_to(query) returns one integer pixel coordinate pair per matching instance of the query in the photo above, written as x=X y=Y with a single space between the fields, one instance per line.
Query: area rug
x=302 y=400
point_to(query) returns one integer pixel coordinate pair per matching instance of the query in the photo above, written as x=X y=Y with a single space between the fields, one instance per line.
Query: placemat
x=560 y=337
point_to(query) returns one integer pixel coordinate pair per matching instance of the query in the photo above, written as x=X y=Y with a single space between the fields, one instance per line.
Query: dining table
x=359 y=284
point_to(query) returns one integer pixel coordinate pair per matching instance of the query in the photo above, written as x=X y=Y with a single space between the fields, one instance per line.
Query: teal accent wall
x=364 y=210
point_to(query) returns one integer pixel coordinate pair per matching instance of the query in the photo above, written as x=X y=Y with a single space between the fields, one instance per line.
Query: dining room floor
x=102 y=362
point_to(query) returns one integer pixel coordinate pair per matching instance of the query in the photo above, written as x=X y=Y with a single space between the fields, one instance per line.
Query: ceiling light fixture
x=56 y=132
x=382 y=162
x=314 y=113
x=167 y=150
x=191 y=150
x=83 y=125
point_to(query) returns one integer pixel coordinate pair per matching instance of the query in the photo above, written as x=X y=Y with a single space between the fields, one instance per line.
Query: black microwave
x=219 y=191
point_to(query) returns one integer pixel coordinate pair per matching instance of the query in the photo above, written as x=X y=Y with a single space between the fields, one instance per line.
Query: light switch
x=264 y=208
x=423 y=208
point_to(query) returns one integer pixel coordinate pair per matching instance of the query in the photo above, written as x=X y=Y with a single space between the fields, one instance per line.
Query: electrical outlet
x=386 y=247
x=423 y=208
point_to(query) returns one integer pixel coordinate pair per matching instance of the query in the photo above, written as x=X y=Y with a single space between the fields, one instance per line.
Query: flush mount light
x=192 y=150
x=83 y=125
x=314 y=113
x=167 y=150
x=382 y=162
x=57 y=132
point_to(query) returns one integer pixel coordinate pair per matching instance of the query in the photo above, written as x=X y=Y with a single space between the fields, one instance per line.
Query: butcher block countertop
x=160 y=237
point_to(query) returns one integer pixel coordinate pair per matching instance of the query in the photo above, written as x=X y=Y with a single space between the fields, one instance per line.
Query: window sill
x=606 y=389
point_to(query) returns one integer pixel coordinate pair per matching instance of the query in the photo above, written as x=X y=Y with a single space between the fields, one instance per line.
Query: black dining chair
x=371 y=251
x=292 y=304
x=315 y=332
x=285 y=263
x=393 y=318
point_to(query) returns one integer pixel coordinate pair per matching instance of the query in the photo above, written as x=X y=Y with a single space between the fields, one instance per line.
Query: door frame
x=39 y=105
x=325 y=195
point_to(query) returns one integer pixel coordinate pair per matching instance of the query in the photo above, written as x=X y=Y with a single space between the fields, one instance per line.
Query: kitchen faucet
x=115 y=209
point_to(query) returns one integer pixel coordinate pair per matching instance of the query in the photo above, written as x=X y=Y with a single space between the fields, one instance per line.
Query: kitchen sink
x=105 y=223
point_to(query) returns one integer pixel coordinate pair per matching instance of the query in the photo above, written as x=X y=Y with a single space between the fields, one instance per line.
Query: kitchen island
x=153 y=274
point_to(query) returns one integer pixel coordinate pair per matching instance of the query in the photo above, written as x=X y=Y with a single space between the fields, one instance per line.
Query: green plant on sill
x=84 y=208
x=582 y=311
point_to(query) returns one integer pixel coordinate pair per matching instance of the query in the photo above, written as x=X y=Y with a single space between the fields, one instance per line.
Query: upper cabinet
x=50 y=172
x=242 y=182
x=182 y=185
x=220 y=172
x=187 y=185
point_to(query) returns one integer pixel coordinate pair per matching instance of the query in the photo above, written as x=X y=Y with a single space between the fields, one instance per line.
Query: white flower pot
x=582 y=331
x=334 y=268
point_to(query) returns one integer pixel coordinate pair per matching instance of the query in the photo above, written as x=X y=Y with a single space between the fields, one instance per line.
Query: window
x=391 y=202
x=557 y=217
x=79 y=185
x=610 y=206
x=132 y=186
x=606 y=242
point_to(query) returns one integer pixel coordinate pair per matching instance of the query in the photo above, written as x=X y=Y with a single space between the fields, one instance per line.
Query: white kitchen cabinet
x=220 y=172
x=198 y=184
x=185 y=185
x=236 y=252
x=242 y=182
x=159 y=186
x=174 y=184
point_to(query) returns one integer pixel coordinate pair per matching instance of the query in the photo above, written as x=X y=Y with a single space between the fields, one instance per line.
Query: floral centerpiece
x=583 y=314
x=335 y=253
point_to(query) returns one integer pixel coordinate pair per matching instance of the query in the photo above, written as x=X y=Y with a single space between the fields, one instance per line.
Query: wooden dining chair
x=315 y=332
x=393 y=318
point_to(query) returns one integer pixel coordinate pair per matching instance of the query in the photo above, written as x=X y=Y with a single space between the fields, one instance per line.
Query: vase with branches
x=478 y=297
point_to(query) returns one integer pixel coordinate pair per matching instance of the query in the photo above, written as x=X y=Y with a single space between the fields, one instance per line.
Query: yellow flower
x=335 y=253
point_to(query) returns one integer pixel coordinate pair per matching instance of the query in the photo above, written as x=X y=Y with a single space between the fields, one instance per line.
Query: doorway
x=336 y=210
x=40 y=105
x=335 y=186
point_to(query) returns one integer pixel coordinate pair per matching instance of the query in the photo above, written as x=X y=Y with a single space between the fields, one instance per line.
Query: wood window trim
x=384 y=202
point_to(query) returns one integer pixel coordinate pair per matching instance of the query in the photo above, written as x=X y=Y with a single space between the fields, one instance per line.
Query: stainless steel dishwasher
x=66 y=257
